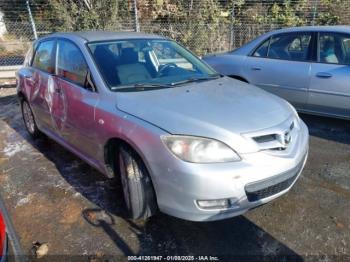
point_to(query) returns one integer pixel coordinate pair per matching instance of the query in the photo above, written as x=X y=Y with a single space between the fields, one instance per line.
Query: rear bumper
x=257 y=179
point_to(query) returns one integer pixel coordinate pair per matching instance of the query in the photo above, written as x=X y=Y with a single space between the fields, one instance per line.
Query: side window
x=292 y=47
x=44 y=57
x=71 y=64
x=262 y=49
x=334 y=48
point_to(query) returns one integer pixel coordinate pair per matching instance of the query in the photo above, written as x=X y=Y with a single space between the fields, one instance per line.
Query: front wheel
x=139 y=196
x=29 y=120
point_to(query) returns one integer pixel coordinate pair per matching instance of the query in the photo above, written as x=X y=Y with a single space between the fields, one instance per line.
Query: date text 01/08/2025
x=173 y=258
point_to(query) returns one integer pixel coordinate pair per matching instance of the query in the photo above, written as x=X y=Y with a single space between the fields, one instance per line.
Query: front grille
x=271 y=190
x=269 y=187
x=275 y=141
x=265 y=138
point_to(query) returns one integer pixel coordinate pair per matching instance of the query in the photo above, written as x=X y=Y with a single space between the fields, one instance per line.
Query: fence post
x=137 y=24
x=314 y=12
x=232 y=42
x=31 y=20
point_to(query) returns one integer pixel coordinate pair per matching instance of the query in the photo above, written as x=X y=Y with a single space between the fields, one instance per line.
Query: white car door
x=329 y=91
x=281 y=65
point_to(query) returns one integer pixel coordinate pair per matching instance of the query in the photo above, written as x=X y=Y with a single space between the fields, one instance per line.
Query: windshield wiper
x=195 y=79
x=144 y=86
x=140 y=87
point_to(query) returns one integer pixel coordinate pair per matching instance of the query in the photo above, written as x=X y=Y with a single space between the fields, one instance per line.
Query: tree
x=333 y=12
x=73 y=15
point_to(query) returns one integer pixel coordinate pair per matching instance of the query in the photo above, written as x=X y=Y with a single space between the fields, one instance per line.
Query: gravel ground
x=55 y=198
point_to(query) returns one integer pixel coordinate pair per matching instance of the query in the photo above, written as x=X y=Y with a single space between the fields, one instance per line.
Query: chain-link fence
x=223 y=29
x=200 y=38
x=14 y=44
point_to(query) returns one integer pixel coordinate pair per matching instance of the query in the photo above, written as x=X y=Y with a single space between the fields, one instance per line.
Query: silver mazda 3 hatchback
x=181 y=138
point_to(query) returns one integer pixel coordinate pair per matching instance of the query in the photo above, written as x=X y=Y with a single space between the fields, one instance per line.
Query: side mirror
x=89 y=83
x=25 y=73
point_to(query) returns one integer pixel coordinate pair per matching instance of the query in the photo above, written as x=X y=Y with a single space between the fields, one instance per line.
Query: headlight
x=200 y=150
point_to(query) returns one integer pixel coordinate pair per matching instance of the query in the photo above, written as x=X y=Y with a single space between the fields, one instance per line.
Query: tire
x=139 y=196
x=29 y=120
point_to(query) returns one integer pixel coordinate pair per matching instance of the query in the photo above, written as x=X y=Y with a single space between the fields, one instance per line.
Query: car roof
x=335 y=28
x=95 y=36
x=248 y=47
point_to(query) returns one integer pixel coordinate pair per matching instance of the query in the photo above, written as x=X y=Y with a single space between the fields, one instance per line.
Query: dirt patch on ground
x=71 y=214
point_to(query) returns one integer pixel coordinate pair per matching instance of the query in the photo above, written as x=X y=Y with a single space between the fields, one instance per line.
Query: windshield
x=155 y=62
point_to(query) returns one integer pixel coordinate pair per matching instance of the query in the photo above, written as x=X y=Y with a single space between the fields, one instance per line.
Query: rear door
x=40 y=85
x=76 y=113
x=329 y=91
x=281 y=65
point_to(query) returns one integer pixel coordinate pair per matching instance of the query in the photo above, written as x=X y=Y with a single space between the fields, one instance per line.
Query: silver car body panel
x=330 y=93
x=312 y=87
x=211 y=109
x=279 y=82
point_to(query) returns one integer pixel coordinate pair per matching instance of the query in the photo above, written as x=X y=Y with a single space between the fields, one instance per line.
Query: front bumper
x=257 y=179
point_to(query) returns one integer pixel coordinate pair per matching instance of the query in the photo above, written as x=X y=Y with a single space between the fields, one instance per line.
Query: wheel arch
x=110 y=153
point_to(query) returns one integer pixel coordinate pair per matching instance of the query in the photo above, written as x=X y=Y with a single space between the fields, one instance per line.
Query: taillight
x=2 y=235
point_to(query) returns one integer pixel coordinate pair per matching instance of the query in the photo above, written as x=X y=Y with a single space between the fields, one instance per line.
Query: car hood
x=222 y=109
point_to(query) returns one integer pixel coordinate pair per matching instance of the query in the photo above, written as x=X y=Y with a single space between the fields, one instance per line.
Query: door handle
x=324 y=75
x=255 y=68
x=58 y=90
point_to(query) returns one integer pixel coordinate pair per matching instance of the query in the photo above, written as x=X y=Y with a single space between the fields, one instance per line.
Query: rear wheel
x=29 y=120
x=139 y=196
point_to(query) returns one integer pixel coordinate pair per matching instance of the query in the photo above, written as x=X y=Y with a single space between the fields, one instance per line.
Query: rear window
x=29 y=56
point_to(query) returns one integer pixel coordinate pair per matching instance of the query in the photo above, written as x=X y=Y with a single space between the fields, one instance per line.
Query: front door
x=281 y=66
x=329 y=91
x=77 y=103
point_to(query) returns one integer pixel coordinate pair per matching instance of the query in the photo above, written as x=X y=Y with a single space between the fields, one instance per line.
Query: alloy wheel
x=28 y=118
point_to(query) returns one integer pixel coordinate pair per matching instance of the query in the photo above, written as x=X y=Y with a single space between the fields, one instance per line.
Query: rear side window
x=71 y=63
x=44 y=57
